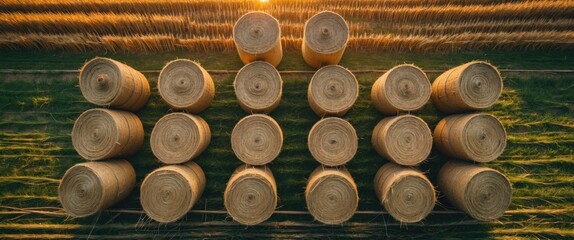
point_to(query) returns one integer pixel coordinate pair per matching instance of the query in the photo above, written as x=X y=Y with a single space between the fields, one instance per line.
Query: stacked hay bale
x=332 y=91
x=179 y=137
x=332 y=141
x=101 y=135
x=170 y=192
x=474 y=137
x=109 y=83
x=256 y=140
x=405 y=140
x=331 y=193
x=324 y=39
x=481 y=192
x=406 y=193
x=257 y=36
x=258 y=87
x=404 y=88
x=90 y=187
x=184 y=85
x=472 y=86
x=250 y=196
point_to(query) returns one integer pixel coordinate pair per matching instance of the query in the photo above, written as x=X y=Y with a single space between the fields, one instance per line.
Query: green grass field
x=38 y=111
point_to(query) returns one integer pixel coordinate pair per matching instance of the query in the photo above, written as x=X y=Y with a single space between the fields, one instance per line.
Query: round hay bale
x=169 y=193
x=481 y=192
x=331 y=195
x=257 y=36
x=179 y=137
x=471 y=86
x=405 y=193
x=257 y=139
x=332 y=91
x=333 y=141
x=103 y=133
x=184 y=85
x=324 y=39
x=405 y=139
x=258 y=87
x=90 y=187
x=476 y=137
x=403 y=88
x=109 y=83
x=251 y=194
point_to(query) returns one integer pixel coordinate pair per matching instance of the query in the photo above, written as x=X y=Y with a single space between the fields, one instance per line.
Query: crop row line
x=126 y=24
x=60 y=212
x=535 y=40
x=294 y=12
x=357 y=71
x=216 y=4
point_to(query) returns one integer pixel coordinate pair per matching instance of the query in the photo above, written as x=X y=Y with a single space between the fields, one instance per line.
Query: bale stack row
x=104 y=137
x=472 y=137
x=331 y=192
x=170 y=192
x=405 y=140
x=257 y=139
x=257 y=37
x=250 y=196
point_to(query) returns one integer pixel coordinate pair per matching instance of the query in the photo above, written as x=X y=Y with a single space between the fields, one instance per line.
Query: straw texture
x=179 y=137
x=169 y=193
x=481 y=192
x=332 y=91
x=404 y=88
x=258 y=87
x=471 y=86
x=251 y=194
x=332 y=141
x=477 y=137
x=90 y=187
x=109 y=83
x=405 y=139
x=257 y=36
x=103 y=133
x=331 y=195
x=184 y=85
x=324 y=39
x=405 y=193
x=257 y=139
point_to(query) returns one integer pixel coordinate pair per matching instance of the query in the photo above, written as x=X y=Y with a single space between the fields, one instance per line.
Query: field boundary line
x=359 y=71
x=60 y=211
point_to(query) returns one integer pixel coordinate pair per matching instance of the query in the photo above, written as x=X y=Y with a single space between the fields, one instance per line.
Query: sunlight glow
x=263 y=1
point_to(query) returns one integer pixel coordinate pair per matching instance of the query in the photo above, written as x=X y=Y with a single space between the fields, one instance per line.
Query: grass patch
x=292 y=59
x=38 y=115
